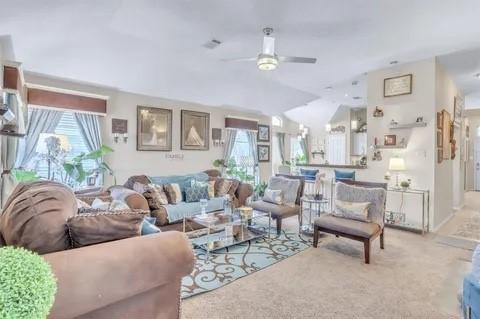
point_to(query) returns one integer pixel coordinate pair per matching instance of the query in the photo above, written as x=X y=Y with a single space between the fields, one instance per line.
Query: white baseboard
x=444 y=222
x=459 y=207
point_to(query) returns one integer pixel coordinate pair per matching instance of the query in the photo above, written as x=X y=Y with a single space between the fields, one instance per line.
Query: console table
x=397 y=219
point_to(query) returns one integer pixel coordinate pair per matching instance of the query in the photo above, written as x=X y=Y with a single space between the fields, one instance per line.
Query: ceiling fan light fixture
x=267 y=62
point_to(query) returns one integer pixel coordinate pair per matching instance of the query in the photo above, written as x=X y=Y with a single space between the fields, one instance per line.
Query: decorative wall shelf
x=405 y=126
x=382 y=147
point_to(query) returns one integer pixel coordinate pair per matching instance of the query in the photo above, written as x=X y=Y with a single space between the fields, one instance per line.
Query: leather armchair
x=137 y=277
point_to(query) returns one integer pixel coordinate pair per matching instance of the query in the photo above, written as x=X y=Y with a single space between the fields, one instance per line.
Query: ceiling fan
x=268 y=60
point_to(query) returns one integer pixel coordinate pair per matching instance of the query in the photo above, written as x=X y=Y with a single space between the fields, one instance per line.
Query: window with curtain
x=276 y=157
x=296 y=150
x=68 y=127
x=243 y=155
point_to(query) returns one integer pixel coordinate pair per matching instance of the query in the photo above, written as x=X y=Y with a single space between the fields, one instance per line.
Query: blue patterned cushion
x=196 y=193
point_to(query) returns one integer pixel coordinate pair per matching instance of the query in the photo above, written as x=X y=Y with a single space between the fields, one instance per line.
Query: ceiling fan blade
x=268 y=45
x=240 y=59
x=296 y=59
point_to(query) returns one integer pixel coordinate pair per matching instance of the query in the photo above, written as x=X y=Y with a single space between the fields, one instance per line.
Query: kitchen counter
x=333 y=166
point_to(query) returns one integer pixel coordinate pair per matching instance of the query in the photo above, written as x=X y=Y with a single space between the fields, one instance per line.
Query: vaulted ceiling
x=156 y=47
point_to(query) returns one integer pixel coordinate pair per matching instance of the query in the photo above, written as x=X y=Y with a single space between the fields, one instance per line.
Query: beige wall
x=420 y=153
x=449 y=188
x=126 y=160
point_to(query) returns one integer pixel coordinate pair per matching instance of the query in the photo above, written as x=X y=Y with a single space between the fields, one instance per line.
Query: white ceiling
x=463 y=66
x=155 y=47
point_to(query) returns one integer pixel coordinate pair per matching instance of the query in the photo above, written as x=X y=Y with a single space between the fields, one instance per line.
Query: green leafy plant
x=232 y=170
x=24 y=176
x=75 y=170
x=259 y=189
x=28 y=286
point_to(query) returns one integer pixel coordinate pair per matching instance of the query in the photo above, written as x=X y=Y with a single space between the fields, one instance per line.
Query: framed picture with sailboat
x=194 y=131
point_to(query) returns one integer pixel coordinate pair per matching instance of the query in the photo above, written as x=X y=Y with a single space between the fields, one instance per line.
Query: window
x=67 y=126
x=296 y=152
x=277 y=121
x=243 y=157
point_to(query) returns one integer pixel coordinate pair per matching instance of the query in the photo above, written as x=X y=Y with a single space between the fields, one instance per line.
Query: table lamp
x=50 y=145
x=397 y=164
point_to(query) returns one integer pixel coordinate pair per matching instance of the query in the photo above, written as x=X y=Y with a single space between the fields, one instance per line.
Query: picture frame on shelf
x=398 y=85
x=154 y=129
x=390 y=140
x=263 y=153
x=263 y=134
x=195 y=131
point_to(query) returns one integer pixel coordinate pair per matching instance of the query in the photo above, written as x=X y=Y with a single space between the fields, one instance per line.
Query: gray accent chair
x=279 y=212
x=365 y=232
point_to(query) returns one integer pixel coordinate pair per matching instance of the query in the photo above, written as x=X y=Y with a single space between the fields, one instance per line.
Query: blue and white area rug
x=224 y=267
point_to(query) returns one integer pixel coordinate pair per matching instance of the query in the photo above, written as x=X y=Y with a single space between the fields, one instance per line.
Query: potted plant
x=76 y=174
x=28 y=286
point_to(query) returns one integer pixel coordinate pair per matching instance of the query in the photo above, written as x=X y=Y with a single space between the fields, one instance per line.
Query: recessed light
x=356 y=97
x=328 y=88
x=346 y=94
x=393 y=62
x=477 y=75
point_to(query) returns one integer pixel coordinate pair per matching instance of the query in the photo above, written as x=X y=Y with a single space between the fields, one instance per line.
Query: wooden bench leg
x=279 y=226
x=382 y=240
x=366 y=248
x=315 y=236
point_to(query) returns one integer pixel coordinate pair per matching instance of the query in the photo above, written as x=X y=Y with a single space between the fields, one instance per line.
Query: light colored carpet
x=411 y=278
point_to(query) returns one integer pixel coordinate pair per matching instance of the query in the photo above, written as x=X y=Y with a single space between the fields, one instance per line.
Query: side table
x=315 y=207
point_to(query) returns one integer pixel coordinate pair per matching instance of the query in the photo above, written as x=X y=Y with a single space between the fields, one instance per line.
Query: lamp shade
x=42 y=142
x=396 y=164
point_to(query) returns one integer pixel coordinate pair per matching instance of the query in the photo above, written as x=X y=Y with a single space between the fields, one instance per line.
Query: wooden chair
x=365 y=232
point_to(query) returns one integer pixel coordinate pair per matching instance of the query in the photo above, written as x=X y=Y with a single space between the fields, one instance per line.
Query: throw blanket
x=176 y=212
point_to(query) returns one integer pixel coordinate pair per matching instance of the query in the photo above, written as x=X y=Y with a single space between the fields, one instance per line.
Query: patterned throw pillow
x=223 y=187
x=352 y=210
x=273 y=196
x=196 y=193
x=155 y=195
x=139 y=187
x=174 y=194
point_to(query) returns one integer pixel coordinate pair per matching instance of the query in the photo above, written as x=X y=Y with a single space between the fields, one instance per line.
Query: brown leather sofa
x=136 y=201
x=138 y=277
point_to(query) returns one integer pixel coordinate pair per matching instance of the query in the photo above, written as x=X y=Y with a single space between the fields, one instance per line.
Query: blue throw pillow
x=196 y=193
x=343 y=175
x=148 y=226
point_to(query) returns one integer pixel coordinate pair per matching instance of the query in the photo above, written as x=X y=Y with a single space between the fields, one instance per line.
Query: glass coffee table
x=221 y=230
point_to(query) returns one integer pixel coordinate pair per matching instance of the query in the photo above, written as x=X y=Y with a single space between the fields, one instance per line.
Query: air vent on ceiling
x=212 y=44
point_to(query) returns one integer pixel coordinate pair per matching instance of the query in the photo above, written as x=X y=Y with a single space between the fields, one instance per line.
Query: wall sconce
x=120 y=129
x=217 y=137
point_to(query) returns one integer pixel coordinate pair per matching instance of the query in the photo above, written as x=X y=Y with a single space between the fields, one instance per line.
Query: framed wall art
x=154 y=129
x=446 y=133
x=458 y=105
x=390 y=140
x=399 y=85
x=195 y=131
x=263 y=134
x=263 y=153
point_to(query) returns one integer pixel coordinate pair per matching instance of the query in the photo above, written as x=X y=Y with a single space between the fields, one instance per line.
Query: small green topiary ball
x=27 y=285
